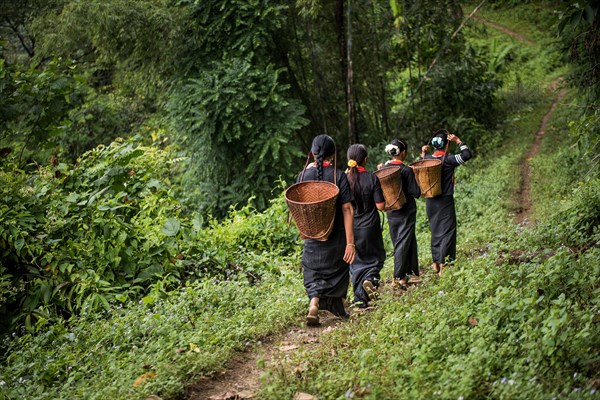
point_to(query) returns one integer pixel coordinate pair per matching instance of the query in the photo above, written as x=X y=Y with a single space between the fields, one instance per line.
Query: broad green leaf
x=171 y=227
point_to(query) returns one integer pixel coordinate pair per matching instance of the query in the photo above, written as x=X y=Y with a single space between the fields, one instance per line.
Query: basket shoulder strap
x=305 y=166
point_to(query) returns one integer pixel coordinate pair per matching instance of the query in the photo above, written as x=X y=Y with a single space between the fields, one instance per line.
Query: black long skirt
x=442 y=222
x=325 y=271
x=402 y=232
x=370 y=256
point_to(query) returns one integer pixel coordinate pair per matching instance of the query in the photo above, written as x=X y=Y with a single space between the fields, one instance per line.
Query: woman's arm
x=465 y=152
x=350 y=251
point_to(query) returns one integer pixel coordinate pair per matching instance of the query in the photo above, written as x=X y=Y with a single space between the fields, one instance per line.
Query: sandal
x=312 y=319
x=370 y=290
x=398 y=284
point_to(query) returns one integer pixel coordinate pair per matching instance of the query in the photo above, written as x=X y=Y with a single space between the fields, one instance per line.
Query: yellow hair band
x=352 y=163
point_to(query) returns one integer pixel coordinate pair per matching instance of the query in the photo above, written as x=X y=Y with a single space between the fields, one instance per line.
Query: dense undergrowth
x=122 y=294
x=109 y=230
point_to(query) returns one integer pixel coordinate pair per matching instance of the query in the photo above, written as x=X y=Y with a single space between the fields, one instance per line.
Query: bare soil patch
x=523 y=213
x=504 y=29
x=241 y=378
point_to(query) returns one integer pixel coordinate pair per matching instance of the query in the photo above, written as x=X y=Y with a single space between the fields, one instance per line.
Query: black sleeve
x=460 y=158
x=345 y=195
x=412 y=189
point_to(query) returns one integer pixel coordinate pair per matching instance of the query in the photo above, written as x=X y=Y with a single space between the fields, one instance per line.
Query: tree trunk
x=346 y=72
x=350 y=102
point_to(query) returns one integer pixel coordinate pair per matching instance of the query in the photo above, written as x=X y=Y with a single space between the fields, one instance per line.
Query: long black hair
x=357 y=153
x=322 y=147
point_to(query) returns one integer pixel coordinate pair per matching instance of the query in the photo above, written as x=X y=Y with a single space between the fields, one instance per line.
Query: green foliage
x=35 y=103
x=77 y=237
x=459 y=91
x=236 y=121
x=569 y=153
x=579 y=32
x=232 y=28
x=52 y=111
x=191 y=332
x=129 y=43
x=100 y=119
x=109 y=230
x=516 y=319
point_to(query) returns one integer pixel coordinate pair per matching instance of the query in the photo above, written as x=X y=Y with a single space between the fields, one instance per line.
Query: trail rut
x=242 y=376
x=523 y=213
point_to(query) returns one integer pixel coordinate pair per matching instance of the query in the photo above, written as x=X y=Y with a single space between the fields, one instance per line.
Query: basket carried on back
x=428 y=174
x=312 y=205
x=391 y=185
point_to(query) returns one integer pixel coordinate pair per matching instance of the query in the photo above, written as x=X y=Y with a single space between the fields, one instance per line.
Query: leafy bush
x=34 y=104
x=109 y=229
x=459 y=93
x=236 y=121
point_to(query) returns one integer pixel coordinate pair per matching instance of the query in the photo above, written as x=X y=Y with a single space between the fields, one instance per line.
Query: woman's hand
x=453 y=138
x=350 y=253
x=379 y=166
x=424 y=148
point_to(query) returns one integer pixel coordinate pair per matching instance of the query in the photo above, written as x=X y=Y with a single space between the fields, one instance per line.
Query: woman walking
x=325 y=263
x=402 y=222
x=440 y=210
x=370 y=253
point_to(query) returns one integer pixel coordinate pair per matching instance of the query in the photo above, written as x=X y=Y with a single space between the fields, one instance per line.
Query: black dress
x=325 y=271
x=402 y=224
x=370 y=253
x=441 y=211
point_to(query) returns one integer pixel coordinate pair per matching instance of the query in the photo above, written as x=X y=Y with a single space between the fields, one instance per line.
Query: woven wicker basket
x=312 y=205
x=391 y=185
x=428 y=174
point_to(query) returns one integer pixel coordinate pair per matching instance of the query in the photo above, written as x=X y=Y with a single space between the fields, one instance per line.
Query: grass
x=516 y=317
x=148 y=349
x=507 y=298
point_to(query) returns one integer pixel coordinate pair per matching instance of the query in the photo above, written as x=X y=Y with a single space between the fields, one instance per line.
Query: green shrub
x=109 y=229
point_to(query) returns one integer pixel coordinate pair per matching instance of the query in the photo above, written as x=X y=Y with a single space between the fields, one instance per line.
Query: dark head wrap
x=439 y=141
x=322 y=147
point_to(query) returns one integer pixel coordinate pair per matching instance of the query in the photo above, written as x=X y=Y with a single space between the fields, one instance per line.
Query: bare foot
x=312 y=318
